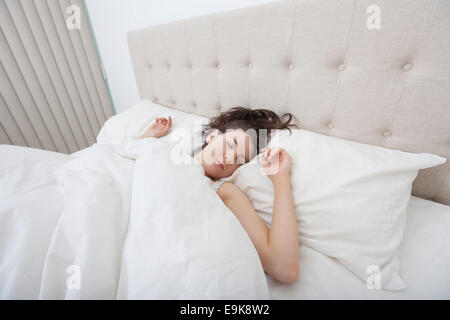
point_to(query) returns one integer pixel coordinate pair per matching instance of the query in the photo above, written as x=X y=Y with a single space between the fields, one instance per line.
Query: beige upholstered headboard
x=318 y=60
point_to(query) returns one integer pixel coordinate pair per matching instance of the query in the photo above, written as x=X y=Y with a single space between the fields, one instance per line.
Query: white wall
x=112 y=19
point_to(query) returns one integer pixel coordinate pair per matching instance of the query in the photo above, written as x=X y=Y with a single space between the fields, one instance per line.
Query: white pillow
x=118 y=130
x=350 y=199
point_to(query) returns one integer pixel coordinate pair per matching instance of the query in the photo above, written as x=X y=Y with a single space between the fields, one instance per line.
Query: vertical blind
x=53 y=90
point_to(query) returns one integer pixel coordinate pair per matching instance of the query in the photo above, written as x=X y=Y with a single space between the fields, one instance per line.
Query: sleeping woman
x=228 y=146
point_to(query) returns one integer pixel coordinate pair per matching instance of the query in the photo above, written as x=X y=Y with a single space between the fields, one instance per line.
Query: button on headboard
x=319 y=60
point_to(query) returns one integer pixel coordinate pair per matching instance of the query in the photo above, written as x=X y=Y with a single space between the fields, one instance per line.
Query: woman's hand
x=276 y=163
x=158 y=129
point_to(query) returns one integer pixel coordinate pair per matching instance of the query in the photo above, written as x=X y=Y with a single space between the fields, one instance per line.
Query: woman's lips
x=220 y=165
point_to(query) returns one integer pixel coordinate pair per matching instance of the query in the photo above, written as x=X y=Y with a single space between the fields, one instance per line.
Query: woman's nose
x=229 y=157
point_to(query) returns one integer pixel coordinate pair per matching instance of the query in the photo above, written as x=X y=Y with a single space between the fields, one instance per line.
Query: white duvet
x=96 y=225
x=67 y=216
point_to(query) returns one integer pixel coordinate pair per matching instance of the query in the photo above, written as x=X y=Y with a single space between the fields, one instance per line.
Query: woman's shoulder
x=229 y=190
x=215 y=184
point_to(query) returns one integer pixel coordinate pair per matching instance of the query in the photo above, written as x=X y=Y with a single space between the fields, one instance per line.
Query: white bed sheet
x=424 y=254
x=424 y=264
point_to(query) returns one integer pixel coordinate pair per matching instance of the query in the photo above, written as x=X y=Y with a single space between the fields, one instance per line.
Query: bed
x=63 y=237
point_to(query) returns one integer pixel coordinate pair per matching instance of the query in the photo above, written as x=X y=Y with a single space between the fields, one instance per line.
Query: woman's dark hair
x=245 y=119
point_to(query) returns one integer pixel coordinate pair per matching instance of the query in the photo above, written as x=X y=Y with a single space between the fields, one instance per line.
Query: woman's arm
x=278 y=246
x=283 y=233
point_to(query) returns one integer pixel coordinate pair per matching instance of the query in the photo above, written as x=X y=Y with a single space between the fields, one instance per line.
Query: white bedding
x=37 y=231
x=424 y=263
x=59 y=212
x=183 y=242
x=80 y=227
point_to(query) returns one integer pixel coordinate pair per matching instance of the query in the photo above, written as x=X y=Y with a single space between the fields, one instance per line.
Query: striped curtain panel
x=53 y=91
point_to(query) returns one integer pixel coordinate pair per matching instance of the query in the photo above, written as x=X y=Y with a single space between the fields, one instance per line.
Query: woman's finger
x=272 y=152
x=275 y=153
x=264 y=161
x=263 y=156
x=282 y=153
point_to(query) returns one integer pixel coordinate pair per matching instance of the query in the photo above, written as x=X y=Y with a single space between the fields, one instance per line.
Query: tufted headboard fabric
x=317 y=59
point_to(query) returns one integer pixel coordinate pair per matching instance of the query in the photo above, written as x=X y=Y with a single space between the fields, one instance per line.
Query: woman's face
x=225 y=153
